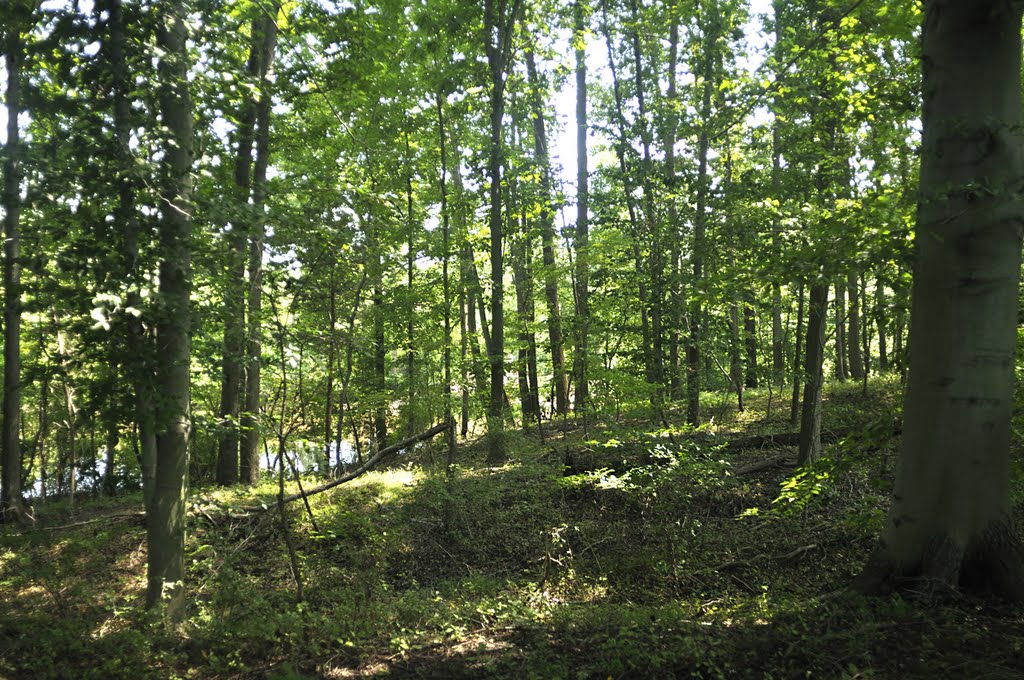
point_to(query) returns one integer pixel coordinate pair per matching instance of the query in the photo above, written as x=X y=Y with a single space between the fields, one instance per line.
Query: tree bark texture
x=166 y=516
x=546 y=220
x=839 y=305
x=249 y=453
x=853 y=339
x=235 y=290
x=580 y=359
x=11 y=504
x=499 y=26
x=950 y=521
x=814 y=378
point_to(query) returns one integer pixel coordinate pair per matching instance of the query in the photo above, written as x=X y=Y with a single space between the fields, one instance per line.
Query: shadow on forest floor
x=644 y=558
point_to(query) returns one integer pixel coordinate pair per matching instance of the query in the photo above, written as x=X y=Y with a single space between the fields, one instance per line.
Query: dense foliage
x=255 y=242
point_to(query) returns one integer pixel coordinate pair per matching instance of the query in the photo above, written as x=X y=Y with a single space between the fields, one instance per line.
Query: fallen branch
x=756 y=558
x=779 y=439
x=368 y=465
x=793 y=438
x=762 y=465
x=96 y=520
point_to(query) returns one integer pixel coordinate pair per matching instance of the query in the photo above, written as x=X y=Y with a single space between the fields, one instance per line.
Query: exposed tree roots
x=992 y=565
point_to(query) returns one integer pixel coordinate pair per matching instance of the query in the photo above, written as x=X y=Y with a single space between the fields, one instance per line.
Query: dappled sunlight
x=657 y=556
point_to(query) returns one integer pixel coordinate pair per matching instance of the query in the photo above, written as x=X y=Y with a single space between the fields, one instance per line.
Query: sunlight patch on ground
x=396 y=478
x=5 y=557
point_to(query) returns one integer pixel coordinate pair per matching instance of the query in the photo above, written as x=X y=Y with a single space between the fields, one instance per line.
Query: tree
x=249 y=452
x=10 y=439
x=547 y=234
x=499 y=26
x=710 y=65
x=950 y=520
x=166 y=514
x=580 y=20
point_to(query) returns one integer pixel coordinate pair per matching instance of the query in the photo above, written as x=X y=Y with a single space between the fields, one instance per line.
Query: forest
x=511 y=339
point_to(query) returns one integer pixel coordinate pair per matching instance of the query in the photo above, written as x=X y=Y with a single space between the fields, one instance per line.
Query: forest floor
x=611 y=553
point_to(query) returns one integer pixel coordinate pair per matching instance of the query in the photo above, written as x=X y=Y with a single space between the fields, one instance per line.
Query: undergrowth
x=608 y=553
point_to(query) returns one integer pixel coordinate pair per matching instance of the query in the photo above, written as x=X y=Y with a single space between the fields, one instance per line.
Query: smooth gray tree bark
x=580 y=359
x=814 y=377
x=546 y=221
x=249 y=444
x=950 y=520
x=11 y=503
x=166 y=515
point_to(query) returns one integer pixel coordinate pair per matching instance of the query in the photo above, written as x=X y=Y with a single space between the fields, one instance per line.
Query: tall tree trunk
x=778 y=342
x=898 y=350
x=951 y=519
x=853 y=340
x=546 y=222
x=235 y=292
x=138 y=341
x=346 y=377
x=669 y=136
x=109 y=476
x=166 y=516
x=446 y=256
x=710 y=57
x=250 y=421
x=410 y=311
x=499 y=26
x=735 y=350
x=11 y=504
x=656 y=363
x=332 y=336
x=810 y=421
x=840 y=328
x=479 y=373
x=463 y=361
x=622 y=147
x=794 y=403
x=750 y=342
x=882 y=322
x=379 y=375
x=522 y=279
x=251 y=436
x=581 y=356
x=468 y=283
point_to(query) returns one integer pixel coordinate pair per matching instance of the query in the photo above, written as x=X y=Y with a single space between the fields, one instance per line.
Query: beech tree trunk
x=11 y=504
x=814 y=378
x=499 y=26
x=794 y=403
x=735 y=351
x=669 y=136
x=332 y=338
x=656 y=363
x=840 y=328
x=249 y=454
x=778 y=342
x=546 y=221
x=580 y=359
x=750 y=344
x=950 y=520
x=410 y=311
x=138 y=341
x=622 y=147
x=166 y=516
x=379 y=367
x=853 y=339
x=446 y=256
x=711 y=57
x=235 y=293
x=881 y=322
